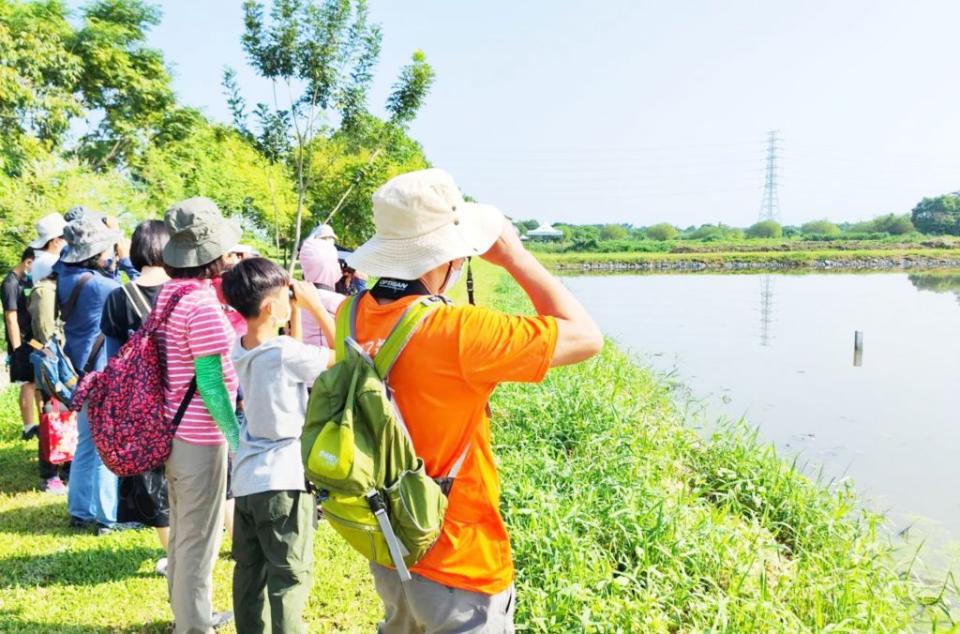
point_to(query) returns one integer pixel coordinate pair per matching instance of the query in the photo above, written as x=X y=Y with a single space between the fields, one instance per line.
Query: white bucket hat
x=245 y=250
x=43 y=263
x=324 y=232
x=422 y=222
x=49 y=227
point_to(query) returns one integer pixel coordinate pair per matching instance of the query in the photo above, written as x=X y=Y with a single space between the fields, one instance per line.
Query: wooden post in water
x=857 y=348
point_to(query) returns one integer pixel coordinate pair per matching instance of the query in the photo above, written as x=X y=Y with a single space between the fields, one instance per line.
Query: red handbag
x=58 y=434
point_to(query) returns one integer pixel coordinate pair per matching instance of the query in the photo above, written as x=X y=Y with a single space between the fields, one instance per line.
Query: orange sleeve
x=497 y=348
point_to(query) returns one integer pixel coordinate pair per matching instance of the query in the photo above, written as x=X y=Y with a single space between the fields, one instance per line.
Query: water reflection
x=766 y=309
x=890 y=424
x=937 y=282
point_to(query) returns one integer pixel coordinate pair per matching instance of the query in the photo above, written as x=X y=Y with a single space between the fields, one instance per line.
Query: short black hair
x=208 y=271
x=27 y=254
x=249 y=281
x=146 y=245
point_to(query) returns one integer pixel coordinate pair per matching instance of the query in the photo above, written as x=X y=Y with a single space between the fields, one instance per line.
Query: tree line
x=932 y=216
x=89 y=116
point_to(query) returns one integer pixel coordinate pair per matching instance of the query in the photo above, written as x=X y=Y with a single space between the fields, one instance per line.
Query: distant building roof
x=545 y=231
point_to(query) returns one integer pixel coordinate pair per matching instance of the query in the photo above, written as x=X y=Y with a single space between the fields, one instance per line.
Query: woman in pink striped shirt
x=201 y=382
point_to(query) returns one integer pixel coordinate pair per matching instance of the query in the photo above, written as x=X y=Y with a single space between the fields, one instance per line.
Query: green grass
x=57 y=579
x=622 y=518
x=680 y=245
x=857 y=258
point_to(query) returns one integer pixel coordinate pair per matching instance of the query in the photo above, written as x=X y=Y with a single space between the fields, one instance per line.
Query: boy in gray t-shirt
x=275 y=515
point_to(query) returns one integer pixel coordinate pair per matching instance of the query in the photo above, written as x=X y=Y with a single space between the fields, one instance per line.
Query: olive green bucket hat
x=199 y=234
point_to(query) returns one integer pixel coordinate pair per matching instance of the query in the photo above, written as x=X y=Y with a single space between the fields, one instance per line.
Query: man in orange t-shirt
x=443 y=380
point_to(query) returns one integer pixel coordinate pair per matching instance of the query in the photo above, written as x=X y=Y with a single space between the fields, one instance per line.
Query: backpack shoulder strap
x=94 y=353
x=137 y=301
x=346 y=323
x=402 y=332
x=446 y=482
x=67 y=308
x=156 y=318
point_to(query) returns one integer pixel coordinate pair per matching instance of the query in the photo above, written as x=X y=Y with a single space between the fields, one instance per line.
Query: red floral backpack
x=126 y=406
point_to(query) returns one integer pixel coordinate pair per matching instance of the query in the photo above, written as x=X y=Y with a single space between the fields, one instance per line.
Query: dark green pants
x=273 y=548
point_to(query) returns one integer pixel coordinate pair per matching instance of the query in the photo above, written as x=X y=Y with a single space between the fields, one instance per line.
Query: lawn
x=57 y=579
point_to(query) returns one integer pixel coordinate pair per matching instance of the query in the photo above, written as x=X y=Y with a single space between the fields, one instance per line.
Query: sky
x=633 y=111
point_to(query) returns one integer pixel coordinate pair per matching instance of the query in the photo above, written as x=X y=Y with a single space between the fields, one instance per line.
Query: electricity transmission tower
x=770 y=208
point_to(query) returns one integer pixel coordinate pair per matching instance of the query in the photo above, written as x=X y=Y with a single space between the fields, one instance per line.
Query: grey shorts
x=428 y=607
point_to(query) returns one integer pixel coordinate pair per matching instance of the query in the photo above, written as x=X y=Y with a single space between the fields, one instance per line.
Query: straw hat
x=422 y=222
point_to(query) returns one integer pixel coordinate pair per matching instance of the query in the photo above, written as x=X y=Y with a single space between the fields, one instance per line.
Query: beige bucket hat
x=422 y=222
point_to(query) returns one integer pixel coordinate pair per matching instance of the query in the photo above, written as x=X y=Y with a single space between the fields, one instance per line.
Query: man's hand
x=306 y=296
x=123 y=244
x=296 y=321
x=507 y=249
x=123 y=248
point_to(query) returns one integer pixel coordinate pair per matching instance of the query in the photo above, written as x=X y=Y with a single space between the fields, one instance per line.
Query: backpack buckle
x=445 y=484
x=376 y=502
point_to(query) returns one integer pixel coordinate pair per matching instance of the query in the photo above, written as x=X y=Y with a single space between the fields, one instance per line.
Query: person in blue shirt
x=115 y=266
x=92 y=497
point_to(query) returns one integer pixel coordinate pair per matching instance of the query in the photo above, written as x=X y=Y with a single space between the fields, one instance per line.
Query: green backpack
x=357 y=450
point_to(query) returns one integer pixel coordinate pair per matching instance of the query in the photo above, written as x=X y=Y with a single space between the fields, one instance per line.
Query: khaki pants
x=197 y=479
x=426 y=607
x=273 y=548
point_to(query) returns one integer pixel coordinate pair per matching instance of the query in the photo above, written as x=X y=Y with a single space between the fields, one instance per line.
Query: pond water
x=779 y=351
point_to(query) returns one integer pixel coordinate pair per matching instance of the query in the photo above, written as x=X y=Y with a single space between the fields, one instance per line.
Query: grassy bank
x=623 y=520
x=858 y=259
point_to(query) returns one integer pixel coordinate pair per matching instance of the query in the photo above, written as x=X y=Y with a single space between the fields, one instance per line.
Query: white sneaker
x=161 y=568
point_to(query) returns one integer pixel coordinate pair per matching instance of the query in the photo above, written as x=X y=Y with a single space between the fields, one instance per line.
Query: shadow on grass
x=10 y=623
x=87 y=567
x=39 y=519
x=18 y=466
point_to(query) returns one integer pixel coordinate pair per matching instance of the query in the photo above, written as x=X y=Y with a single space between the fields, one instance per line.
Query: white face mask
x=280 y=321
x=453 y=279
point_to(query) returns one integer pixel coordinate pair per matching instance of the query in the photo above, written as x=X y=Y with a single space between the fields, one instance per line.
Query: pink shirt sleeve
x=207 y=330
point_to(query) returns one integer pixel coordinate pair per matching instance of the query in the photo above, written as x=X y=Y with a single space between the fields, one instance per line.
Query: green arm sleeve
x=213 y=391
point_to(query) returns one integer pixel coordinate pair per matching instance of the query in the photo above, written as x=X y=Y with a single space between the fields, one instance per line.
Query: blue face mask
x=109 y=265
x=28 y=277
